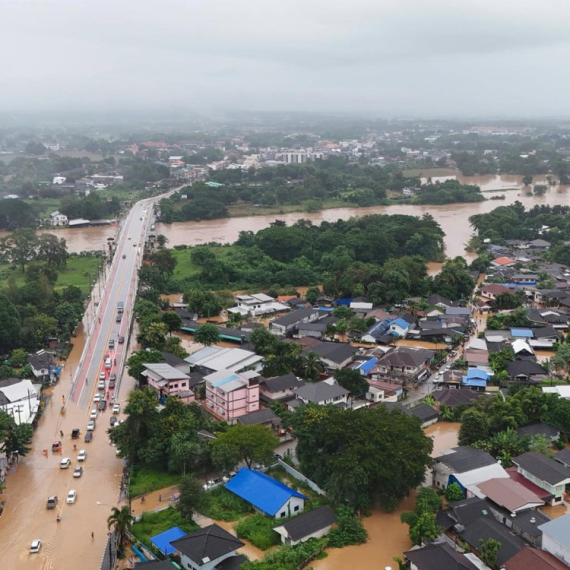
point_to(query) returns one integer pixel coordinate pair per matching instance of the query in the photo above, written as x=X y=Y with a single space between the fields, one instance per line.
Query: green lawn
x=146 y=480
x=45 y=206
x=223 y=505
x=73 y=274
x=152 y=524
x=184 y=266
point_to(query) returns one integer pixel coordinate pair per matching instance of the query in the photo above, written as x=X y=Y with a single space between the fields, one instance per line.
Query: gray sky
x=387 y=57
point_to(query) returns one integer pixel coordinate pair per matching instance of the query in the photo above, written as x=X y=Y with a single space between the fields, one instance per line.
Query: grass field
x=45 y=206
x=73 y=274
x=248 y=209
x=147 y=480
x=152 y=524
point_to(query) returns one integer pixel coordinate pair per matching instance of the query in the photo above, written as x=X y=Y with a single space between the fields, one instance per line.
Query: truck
x=120 y=306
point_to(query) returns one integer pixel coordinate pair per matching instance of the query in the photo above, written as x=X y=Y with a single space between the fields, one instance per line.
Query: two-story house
x=230 y=395
x=258 y=304
x=545 y=473
x=58 y=219
x=403 y=364
x=168 y=381
x=279 y=387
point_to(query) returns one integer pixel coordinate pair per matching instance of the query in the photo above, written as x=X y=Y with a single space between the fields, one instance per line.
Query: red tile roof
x=503 y=261
x=533 y=559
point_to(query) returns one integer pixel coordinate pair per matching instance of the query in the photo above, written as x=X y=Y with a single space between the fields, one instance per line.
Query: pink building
x=230 y=395
x=169 y=381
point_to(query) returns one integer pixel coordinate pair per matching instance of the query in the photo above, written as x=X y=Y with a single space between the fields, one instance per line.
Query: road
x=37 y=476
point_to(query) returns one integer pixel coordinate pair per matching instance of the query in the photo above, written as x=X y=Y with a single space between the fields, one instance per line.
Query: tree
x=453 y=492
x=263 y=341
x=193 y=498
x=422 y=526
x=352 y=381
x=355 y=455
x=183 y=450
x=204 y=303
x=489 y=551
x=506 y=443
x=135 y=363
x=343 y=312
x=501 y=359
x=161 y=240
x=251 y=444
x=541 y=444
x=120 y=521
x=165 y=262
x=172 y=320
x=172 y=345
x=52 y=250
x=18 y=358
x=539 y=189
x=207 y=334
x=527 y=180
x=153 y=335
x=310 y=366
x=17 y=438
x=475 y=427
x=428 y=501
x=19 y=247
x=349 y=530
x=312 y=294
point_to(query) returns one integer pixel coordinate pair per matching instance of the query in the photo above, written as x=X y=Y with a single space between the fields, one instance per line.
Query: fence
x=294 y=473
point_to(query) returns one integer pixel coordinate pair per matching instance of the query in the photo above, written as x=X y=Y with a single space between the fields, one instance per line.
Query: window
x=296 y=508
x=282 y=514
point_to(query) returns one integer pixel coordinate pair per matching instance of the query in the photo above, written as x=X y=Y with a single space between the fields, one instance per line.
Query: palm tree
x=311 y=366
x=121 y=522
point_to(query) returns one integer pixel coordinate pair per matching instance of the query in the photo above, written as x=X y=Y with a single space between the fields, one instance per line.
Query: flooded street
x=444 y=435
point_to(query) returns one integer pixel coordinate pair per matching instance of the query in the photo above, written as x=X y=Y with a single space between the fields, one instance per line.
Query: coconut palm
x=120 y=521
x=310 y=366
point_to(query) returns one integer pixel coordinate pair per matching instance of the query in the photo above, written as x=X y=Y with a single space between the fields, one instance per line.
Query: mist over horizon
x=210 y=59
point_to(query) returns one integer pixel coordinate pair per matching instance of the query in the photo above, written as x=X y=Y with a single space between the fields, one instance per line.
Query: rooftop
x=534 y=559
x=508 y=494
x=463 y=458
x=438 y=557
x=207 y=544
x=543 y=468
x=316 y=392
x=308 y=523
x=165 y=371
x=558 y=529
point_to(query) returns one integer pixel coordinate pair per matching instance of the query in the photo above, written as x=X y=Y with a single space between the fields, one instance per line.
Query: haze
x=411 y=57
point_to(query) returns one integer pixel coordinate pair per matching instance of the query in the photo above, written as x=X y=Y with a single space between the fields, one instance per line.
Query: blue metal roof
x=367 y=366
x=162 y=541
x=263 y=492
x=477 y=373
x=522 y=333
x=401 y=323
x=343 y=302
x=474 y=382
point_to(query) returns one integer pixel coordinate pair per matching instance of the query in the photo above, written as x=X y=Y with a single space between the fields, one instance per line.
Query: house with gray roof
x=458 y=461
x=287 y=324
x=404 y=364
x=544 y=472
x=168 y=381
x=556 y=538
x=438 y=556
x=279 y=387
x=334 y=355
x=314 y=524
x=321 y=393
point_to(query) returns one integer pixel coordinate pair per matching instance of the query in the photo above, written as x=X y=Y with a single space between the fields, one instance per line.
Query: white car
x=93 y=414
x=71 y=496
x=102 y=375
x=97 y=398
x=116 y=408
x=65 y=463
x=82 y=455
x=101 y=386
x=36 y=546
x=91 y=425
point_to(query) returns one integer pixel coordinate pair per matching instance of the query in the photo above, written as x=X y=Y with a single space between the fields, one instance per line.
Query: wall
x=293 y=472
x=554 y=547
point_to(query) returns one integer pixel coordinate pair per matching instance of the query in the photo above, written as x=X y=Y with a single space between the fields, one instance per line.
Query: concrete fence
x=300 y=477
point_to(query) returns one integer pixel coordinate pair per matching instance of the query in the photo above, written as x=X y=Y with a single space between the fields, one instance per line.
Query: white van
x=108 y=363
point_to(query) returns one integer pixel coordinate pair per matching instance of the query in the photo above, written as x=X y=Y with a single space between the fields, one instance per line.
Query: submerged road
x=69 y=543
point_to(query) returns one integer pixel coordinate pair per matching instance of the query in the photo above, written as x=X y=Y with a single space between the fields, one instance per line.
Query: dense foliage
x=448 y=192
x=364 y=456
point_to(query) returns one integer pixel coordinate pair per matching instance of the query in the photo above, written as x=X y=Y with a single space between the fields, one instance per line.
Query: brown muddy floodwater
x=453 y=218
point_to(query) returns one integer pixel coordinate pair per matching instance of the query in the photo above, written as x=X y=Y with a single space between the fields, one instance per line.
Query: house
x=486 y=528
x=438 y=556
x=206 y=548
x=476 y=379
x=427 y=414
x=314 y=524
x=533 y=559
x=525 y=371
x=279 y=387
x=522 y=348
x=493 y=290
x=556 y=538
x=475 y=358
x=168 y=381
x=439 y=301
x=399 y=327
x=58 y=219
x=266 y=495
x=545 y=337
x=322 y=393
x=458 y=312
x=551 y=433
x=176 y=362
x=20 y=399
x=404 y=364
x=563 y=456
x=213 y=359
x=453 y=398
x=334 y=355
x=459 y=460
x=317 y=329
x=264 y=417
x=503 y=262
x=155 y=565
x=287 y=324
x=544 y=472
x=258 y=304
x=509 y=495
x=230 y=395
x=42 y=365
x=383 y=391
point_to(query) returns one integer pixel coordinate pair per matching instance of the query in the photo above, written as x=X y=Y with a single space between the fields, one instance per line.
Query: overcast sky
x=442 y=58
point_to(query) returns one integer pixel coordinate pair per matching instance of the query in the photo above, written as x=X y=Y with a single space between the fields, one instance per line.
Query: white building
x=556 y=538
x=258 y=304
x=20 y=400
x=58 y=219
x=58 y=180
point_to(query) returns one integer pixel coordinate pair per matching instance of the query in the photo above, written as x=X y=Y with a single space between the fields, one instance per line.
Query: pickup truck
x=51 y=502
x=75 y=433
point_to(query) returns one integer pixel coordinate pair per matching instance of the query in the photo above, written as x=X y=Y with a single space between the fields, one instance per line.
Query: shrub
x=225 y=506
x=259 y=530
x=350 y=529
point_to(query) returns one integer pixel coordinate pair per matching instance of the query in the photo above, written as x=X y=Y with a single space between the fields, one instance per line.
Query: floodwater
x=388 y=536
